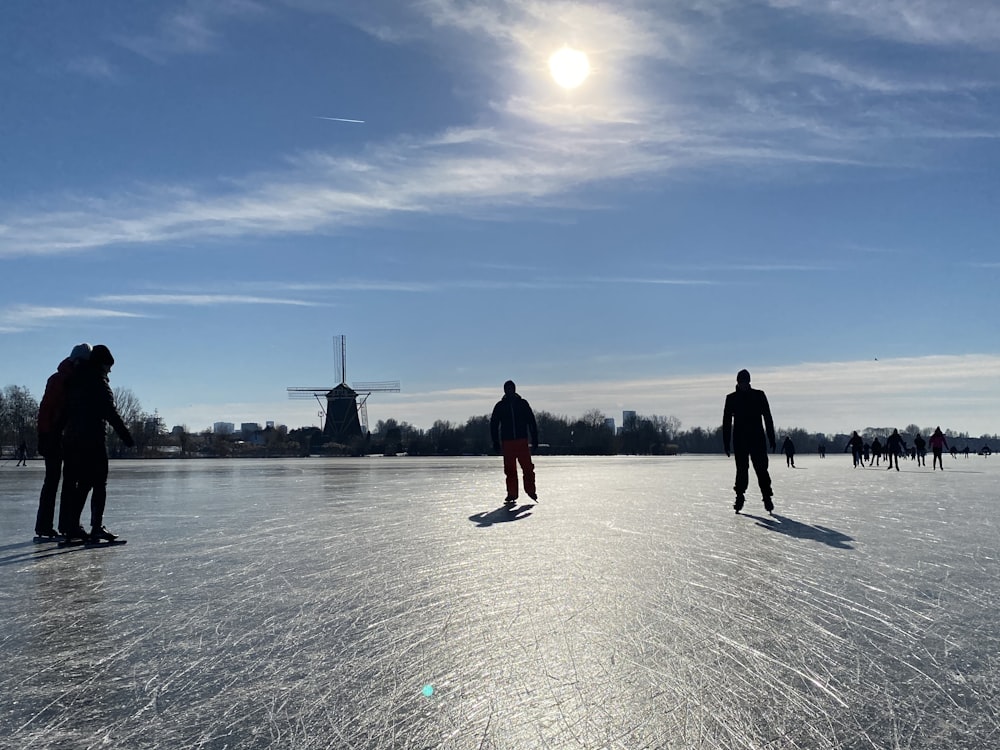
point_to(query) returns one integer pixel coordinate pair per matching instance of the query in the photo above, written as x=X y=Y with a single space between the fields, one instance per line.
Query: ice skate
x=100 y=532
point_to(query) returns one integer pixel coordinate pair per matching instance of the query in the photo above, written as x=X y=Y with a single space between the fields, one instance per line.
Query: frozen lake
x=391 y=603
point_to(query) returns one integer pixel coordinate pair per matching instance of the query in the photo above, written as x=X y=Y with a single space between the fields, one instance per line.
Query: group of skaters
x=895 y=447
x=76 y=407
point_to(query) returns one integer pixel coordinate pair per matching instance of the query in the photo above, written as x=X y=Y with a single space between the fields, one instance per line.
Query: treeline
x=19 y=422
x=587 y=435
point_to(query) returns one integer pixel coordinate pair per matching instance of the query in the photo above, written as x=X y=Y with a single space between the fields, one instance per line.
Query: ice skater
x=856 y=446
x=876 y=453
x=938 y=443
x=511 y=426
x=920 y=449
x=89 y=407
x=51 y=418
x=22 y=454
x=894 y=447
x=743 y=433
x=788 y=448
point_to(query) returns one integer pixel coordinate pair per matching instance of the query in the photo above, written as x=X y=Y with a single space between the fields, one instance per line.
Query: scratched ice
x=391 y=603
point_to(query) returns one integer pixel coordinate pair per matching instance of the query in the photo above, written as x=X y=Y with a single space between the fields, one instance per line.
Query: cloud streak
x=21 y=318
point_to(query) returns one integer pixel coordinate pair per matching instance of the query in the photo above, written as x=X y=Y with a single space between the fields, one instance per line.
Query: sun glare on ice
x=569 y=67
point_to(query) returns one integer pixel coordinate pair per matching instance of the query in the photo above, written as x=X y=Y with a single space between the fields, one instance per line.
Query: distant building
x=629 y=419
x=223 y=428
x=269 y=424
x=609 y=422
x=249 y=428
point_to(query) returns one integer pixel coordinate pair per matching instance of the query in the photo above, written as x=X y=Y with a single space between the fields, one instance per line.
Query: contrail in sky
x=337 y=119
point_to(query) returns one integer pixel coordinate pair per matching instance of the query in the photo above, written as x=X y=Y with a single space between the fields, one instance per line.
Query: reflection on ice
x=389 y=603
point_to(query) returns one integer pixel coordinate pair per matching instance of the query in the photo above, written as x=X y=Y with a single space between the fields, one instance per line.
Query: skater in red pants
x=511 y=426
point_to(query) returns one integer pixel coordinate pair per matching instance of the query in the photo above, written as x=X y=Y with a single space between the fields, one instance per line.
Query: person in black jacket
x=90 y=406
x=511 y=425
x=742 y=431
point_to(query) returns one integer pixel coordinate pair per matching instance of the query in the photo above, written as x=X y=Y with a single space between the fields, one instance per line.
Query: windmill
x=346 y=416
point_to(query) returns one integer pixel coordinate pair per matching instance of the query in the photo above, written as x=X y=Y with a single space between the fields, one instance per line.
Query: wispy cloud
x=188 y=30
x=198 y=300
x=96 y=67
x=20 y=318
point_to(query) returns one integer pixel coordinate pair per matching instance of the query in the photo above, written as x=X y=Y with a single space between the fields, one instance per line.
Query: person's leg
x=759 y=458
x=99 y=496
x=742 y=472
x=527 y=467
x=46 y=517
x=509 y=448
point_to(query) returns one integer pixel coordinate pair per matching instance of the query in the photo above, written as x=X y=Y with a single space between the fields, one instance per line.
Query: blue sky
x=806 y=189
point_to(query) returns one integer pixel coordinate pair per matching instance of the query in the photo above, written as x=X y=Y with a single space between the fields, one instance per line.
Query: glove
x=727 y=454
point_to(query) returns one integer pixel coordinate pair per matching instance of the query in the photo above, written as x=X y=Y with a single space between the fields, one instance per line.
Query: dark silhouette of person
x=511 y=425
x=22 y=454
x=89 y=407
x=743 y=432
x=985 y=450
x=938 y=443
x=920 y=449
x=822 y=450
x=876 y=453
x=866 y=452
x=856 y=446
x=788 y=448
x=894 y=447
x=51 y=419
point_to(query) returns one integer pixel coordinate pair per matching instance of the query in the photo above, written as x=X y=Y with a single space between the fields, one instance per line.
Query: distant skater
x=822 y=450
x=938 y=443
x=89 y=408
x=22 y=454
x=511 y=426
x=876 y=453
x=788 y=448
x=920 y=450
x=51 y=419
x=894 y=446
x=743 y=432
x=856 y=446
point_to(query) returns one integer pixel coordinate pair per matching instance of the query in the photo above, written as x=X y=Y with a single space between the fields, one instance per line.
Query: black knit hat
x=743 y=376
x=101 y=355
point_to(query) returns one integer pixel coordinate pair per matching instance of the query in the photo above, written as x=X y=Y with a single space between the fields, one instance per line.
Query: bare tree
x=18 y=416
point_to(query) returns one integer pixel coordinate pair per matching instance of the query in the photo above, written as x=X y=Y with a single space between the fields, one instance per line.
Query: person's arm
x=495 y=427
x=768 y=421
x=727 y=426
x=532 y=426
x=110 y=413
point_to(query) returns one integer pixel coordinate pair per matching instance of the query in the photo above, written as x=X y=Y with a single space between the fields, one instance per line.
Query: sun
x=570 y=67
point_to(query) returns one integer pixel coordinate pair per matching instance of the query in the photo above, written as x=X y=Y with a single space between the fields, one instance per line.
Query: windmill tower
x=346 y=411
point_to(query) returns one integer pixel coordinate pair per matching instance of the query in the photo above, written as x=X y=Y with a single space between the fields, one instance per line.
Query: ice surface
x=391 y=603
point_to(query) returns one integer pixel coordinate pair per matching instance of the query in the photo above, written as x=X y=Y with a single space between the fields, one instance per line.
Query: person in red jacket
x=51 y=418
x=89 y=408
x=511 y=425
x=938 y=443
